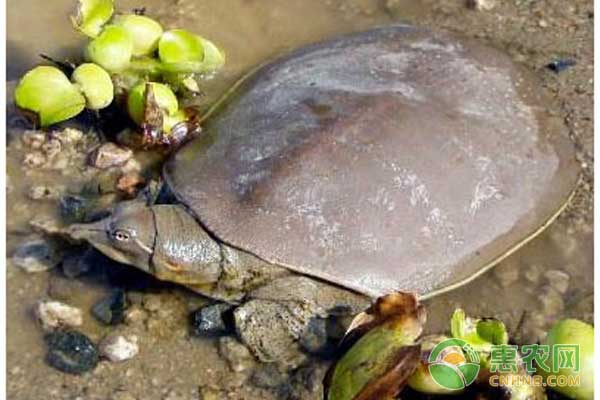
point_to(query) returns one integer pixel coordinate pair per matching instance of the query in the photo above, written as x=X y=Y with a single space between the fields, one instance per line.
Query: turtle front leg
x=290 y=317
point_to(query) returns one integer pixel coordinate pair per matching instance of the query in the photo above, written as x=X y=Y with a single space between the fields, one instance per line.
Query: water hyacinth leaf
x=383 y=354
x=572 y=334
x=112 y=49
x=178 y=46
x=479 y=333
x=144 y=31
x=91 y=15
x=47 y=92
x=137 y=100
x=214 y=58
x=95 y=84
x=183 y=52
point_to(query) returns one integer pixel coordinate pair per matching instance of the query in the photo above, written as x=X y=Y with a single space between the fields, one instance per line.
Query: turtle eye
x=121 y=235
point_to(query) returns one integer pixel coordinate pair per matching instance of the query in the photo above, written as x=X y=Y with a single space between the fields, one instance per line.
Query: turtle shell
x=392 y=159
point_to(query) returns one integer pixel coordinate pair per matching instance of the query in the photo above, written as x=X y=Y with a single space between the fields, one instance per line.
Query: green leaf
x=95 y=84
x=47 y=92
x=479 y=333
x=163 y=96
x=183 y=52
x=144 y=31
x=91 y=15
x=112 y=50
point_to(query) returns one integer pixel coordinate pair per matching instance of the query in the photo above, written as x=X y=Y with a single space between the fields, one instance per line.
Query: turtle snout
x=90 y=232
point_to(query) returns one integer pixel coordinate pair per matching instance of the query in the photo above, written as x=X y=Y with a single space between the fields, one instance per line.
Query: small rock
x=130 y=182
x=481 y=5
x=34 y=160
x=213 y=320
x=33 y=139
x=558 y=279
x=109 y=155
x=51 y=148
x=69 y=136
x=506 y=274
x=36 y=255
x=54 y=314
x=73 y=208
x=71 y=352
x=43 y=192
x=118 y=348
x=111 y=309
x=135 y=316
x=561 y=65
x=236 y=354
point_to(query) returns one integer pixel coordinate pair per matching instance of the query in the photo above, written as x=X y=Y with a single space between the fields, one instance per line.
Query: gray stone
x=36 y=255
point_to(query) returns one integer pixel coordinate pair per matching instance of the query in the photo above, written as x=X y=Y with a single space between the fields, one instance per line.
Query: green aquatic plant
x=112 y=49
x=91 y=15
x=181 y=51
x=144 y=31
x=95 y=84
x=48 y=96
x=569 y=332
x=383 y=354
x=163 y=96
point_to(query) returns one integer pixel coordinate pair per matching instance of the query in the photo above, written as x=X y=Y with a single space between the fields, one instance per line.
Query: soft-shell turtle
x=393 y=159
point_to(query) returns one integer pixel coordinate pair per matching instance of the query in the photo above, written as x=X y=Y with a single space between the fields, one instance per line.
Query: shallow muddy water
x=549 y=278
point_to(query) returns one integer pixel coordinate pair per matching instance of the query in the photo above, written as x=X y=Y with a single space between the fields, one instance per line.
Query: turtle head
x=163 y=240
x=127 y=235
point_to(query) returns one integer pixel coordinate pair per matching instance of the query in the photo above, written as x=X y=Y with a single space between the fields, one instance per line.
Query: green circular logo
x=453 y=364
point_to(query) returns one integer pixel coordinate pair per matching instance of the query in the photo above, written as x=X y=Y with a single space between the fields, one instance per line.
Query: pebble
x=69 y=136
x=237 y=355
x=111 y=309
x=73 y=208
x=44 y=192
x=71 y=352
x=109 y=155
x=558 y=279
x=130 y=182
x=54 y=314
x=36 y=255
x=506 y=274
x=34 y=159
x=481 y=5
x=33 y=139
x=118 y=348
x=213 y=320
x=135 y=316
